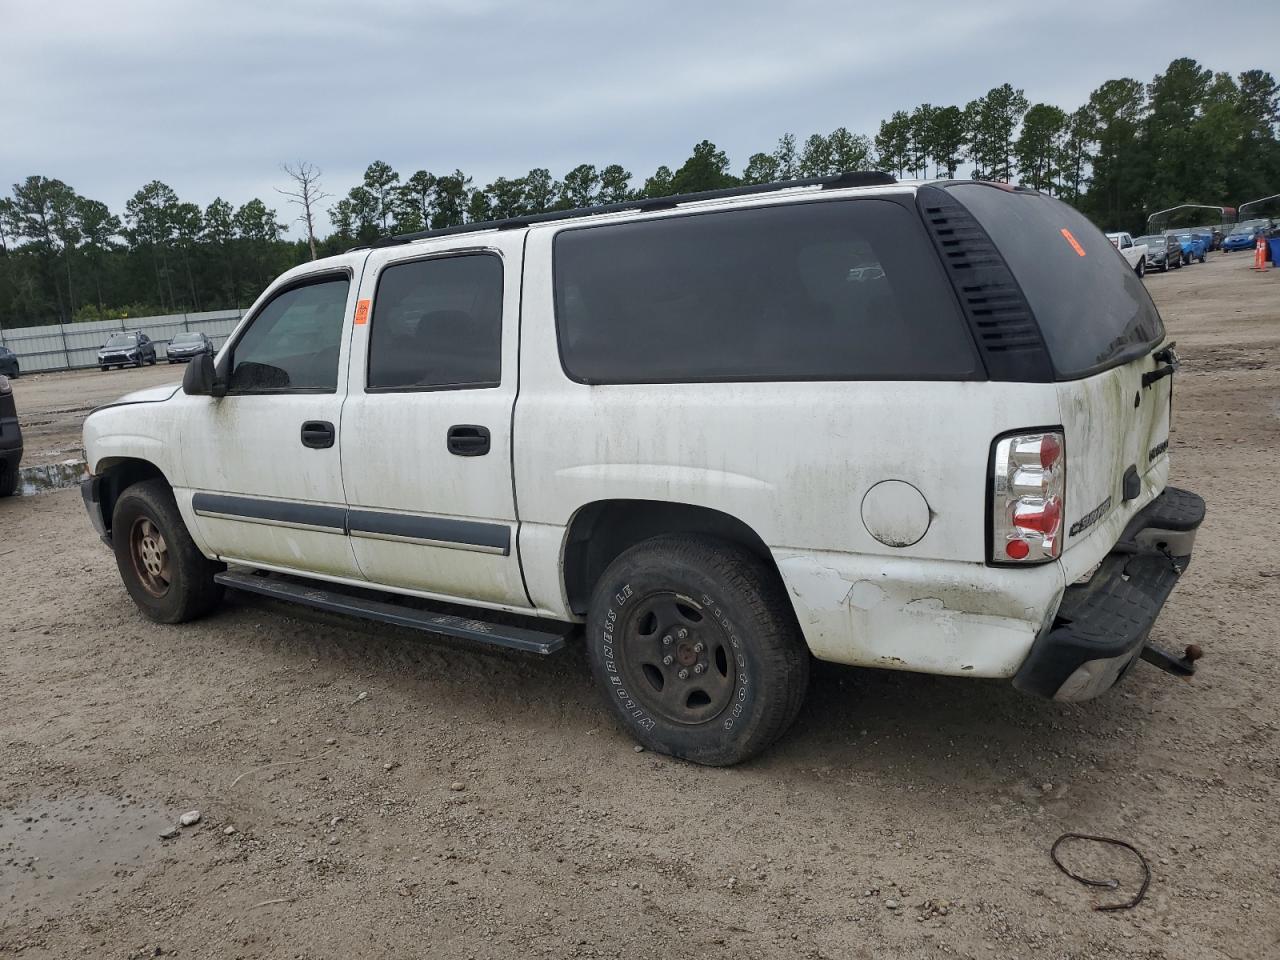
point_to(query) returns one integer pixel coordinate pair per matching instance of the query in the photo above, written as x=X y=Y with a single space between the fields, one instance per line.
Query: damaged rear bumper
x=1102 y=626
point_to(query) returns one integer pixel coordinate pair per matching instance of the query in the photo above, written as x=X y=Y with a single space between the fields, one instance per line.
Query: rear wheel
x=164 y=571
x=1142 y=268
x=695 y=647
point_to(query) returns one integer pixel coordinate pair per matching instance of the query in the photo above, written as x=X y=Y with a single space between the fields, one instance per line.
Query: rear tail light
x=1028 y=486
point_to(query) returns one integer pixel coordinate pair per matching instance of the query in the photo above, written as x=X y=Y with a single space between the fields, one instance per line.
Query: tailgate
x=1114 y=426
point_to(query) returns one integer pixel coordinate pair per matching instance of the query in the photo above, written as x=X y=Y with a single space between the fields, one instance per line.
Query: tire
x=8 y=480
x=138 y=363
x=105 y=369
x=713 y=604
x=1142 y=269
x=152 y=361
x=168 y=577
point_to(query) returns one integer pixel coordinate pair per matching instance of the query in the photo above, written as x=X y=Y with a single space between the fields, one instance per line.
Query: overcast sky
x=211 y=97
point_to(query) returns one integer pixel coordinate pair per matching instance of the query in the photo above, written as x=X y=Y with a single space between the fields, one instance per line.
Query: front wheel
x=164 y=571
x=695 y=646
x=1142 y=268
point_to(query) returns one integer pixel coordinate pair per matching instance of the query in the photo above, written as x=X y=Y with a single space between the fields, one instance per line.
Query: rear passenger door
x=426 y=429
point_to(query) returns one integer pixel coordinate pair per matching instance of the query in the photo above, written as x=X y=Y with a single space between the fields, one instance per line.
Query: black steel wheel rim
x=676 y=659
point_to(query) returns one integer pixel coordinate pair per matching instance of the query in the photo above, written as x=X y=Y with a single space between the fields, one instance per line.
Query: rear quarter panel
x=792 y=460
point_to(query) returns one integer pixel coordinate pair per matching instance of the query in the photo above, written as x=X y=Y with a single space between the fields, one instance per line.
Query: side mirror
x=198 y=381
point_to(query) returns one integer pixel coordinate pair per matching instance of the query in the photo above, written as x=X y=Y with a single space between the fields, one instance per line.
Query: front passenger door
x=262 y=462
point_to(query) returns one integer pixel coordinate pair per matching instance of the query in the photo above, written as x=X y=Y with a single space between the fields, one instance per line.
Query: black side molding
x=466 y=533
x=282 y=512
x=439 y=531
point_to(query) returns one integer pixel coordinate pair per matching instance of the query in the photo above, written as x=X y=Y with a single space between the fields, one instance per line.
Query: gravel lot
x=365 y=792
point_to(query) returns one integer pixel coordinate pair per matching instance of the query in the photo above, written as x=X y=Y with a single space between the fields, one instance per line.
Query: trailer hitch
x=1183 y=666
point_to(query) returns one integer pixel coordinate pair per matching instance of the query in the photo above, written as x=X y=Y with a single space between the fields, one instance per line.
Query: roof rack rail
x=850 y=178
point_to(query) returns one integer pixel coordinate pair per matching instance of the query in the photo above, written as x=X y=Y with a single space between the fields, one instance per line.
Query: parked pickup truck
x=682 y=430
x=1134 y=253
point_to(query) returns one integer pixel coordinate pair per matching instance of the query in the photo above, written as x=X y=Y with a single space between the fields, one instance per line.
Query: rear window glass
x=1093 y=309
x=828 y=290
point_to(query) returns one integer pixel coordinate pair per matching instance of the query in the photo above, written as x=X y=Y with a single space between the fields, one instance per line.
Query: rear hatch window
x=1093 y=310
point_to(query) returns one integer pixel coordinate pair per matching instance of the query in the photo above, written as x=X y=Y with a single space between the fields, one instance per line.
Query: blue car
x=1241 y=239
x=1194 y=246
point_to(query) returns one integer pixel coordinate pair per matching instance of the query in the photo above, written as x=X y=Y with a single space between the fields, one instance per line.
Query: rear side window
x=1092 y=308
x=437 y=324
x=825 y=290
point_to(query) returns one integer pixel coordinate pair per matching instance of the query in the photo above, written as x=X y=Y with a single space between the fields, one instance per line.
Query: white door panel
x=423 y=517
x=258 y=492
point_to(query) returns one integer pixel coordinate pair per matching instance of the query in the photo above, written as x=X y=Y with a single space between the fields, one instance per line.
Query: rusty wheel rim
x=150 y=555
x=677 y=660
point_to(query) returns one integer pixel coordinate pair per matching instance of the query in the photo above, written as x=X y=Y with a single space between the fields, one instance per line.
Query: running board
x=480 y=631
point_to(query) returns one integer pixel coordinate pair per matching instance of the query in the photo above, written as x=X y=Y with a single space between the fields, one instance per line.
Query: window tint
x=293 y=343
x=437 y=323
x=834 y=290
x=1091 y=306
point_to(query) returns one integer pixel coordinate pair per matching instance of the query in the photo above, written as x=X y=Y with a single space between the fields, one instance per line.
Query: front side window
x=293 y=342
x=437 y=324
x=829 y=290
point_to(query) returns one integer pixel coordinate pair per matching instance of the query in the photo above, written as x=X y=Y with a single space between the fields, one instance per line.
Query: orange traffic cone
x=1260 y=254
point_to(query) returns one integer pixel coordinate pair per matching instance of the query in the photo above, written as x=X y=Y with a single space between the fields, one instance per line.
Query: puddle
x=53 y=850
x=43 y=477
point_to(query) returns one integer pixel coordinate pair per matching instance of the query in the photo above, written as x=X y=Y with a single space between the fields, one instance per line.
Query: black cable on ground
x=1110 y=884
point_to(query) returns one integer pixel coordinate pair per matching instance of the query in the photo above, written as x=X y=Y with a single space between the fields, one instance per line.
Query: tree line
x=1188 y=135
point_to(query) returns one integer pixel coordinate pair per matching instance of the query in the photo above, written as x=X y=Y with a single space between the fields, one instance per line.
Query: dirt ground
x=370 y=793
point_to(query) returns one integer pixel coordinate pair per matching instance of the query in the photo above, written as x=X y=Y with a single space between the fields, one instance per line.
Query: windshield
x=1151 y=241
x=186 y=338
x=122 y=340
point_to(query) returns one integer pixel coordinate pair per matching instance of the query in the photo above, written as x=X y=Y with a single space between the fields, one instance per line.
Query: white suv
x=921 y=426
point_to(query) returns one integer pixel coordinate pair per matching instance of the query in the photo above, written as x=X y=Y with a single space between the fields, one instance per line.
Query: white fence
x=69 y=346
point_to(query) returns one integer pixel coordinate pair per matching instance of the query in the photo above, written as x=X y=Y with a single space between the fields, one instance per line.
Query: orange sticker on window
x=362 y=308
x=1075 y=245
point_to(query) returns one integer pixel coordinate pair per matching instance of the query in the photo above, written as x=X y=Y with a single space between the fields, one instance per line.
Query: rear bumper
x=1102 y=625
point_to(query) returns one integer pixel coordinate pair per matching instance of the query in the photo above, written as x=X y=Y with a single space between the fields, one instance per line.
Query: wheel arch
x=601 y=530
x=115 y=474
